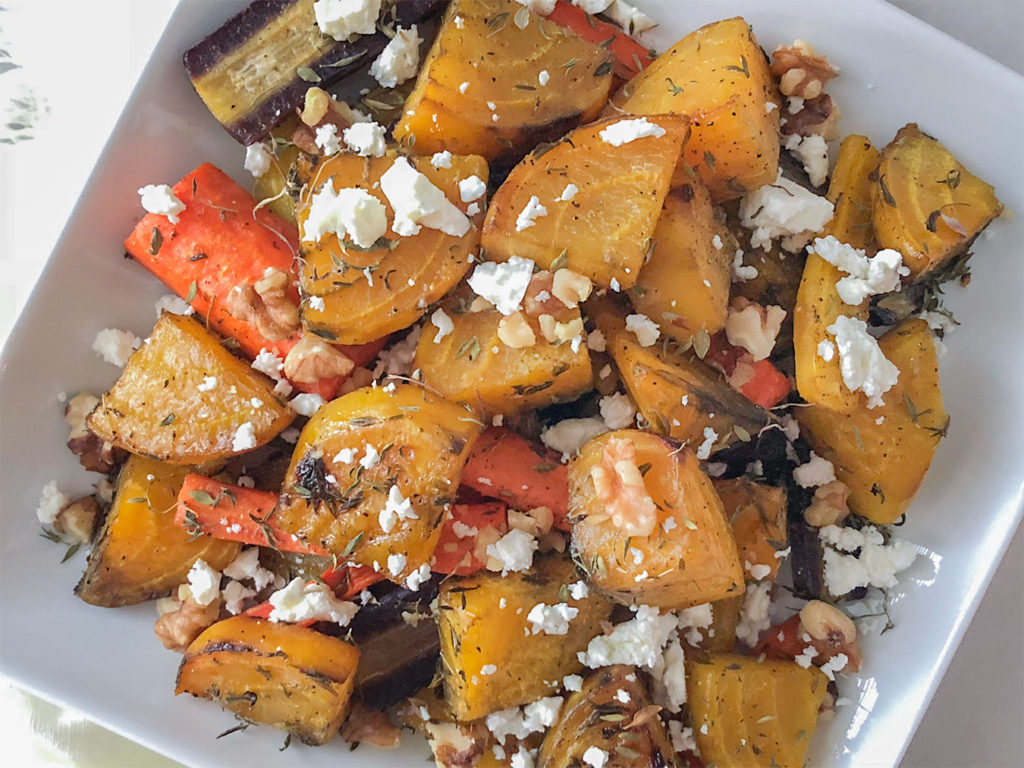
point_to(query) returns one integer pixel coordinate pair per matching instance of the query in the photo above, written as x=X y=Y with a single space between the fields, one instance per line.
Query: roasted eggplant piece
x=255 y=69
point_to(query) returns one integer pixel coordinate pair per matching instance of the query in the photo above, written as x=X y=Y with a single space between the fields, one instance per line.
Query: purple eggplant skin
x=335 y=61
x=398 y=643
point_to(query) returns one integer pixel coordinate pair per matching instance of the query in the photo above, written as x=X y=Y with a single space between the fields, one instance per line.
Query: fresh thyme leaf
x=561 y=260
x=347 y=60
x=193 y=289
x=155 y=241
x=742 y=68
x=603 y=68
x=674 y=89
x=168 y=419
x=307 y=74
x=522 y=18
x=202 y=497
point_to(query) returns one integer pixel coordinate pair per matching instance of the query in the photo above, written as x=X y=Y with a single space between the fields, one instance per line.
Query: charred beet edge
x=398 y=652
x=331 y=62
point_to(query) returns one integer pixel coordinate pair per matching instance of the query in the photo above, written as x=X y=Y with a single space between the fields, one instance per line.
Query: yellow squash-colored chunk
x=603 y=231
x=157 y=409
x=718 y=77
x=487 y=65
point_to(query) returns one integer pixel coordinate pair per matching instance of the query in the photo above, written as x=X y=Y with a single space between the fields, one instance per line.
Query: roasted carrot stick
x=236 y=514
x=503 y=465
x=456 y=552
x=630 y=56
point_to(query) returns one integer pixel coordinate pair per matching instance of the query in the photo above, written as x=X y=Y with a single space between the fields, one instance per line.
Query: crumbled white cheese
x=632 y=20
x=366 y=139
x=160 y=199
x=645 y=329
x=349 y=211
x=704 y=449
x=551 y=619
x=523 y=758
x=400 y=59
x=769 y=106
x=836 y=664
x=512 y=552
x=637 y=642
x=520 y=723
x=51 y=501
x=471 y=189
x=875 y=566
x=306 y=404
x=592 y=6
x=417 y=578
x=298 y=602
x=396 y=360
x=543 y=78
x=488 y=669
x=783 y=209
x=742 y=273
x=755 y=328
x=418 y=203
x=441 y=159
x=235 y=595
x=327 y=139
x=596 y=341
x=396 y=563
x=115 y=346
x=758 y=571
x=682 y=737
x=579 y=590
x=203 y=582
x=573 y=682
x=806 y=657
x=568 y=193
x=257 y=159
x=396 y=507
x=617 y=410
x=247 y=566
x=503 y=284
x=826 y=350
x=443 y=323
x=595 y=757
x=629 y=130
x=173 y=304
x=244 y=438
x=669 y=676
x=540 y=7
x=865 y=276
x=528 y=216
x=754 y=613
x=861 y=361
x=463 y=87
x=817 y=471
x=371 y=458
x=568 y=436
x=812 y=152
x=472 y=210
x=342 y=18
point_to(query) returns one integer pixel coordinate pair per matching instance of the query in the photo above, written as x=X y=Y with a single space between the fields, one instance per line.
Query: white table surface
x=84 y=58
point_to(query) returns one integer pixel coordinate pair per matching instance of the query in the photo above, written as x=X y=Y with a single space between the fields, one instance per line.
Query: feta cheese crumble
x=443 y=323
x=244 y=438
x=783 y=209
x=365 y=139
x=528 y=216
x=512 y=552
x=637 y=642
x=863 y=365
x=568 y=193
x=396 y=507
x=629 y=130
x=645 y=329
x=503 y=284
x=115 y=346
x=817 y=471
x=417 y=203
x=400 y=59
x=257 y=159
x=472 y=188
x=161 y=200
x=704 y=449
x=569 y=435
x=551 y=619
x=51 y=501
x=540 y=7
x=315 y=601
x=342 y=18
x=203 y=582
x=812 y=152
x=632 y=20
x=826 y=350
x=595 y=757
x=753 y=327
x=306 y=404
x=345 y=212
x=617 y=410
x=754 y=613
x=865 y=276
x=327 y=139
x=442 y=159
x=876 y=565
x=173 y=304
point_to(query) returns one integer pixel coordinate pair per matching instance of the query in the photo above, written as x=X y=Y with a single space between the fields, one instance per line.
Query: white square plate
x=108 y=664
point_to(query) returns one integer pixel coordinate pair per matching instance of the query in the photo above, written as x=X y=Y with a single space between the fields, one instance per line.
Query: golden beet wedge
x=883 y=453
x=753 y=714
x=818 y=304
x=359 y=451
x=718 y=77
x=602 y=230
x=157 y=409
x=283 y=675
x=689 y=556
x=925 y=204
x=596 y=716
x=482 y=621
x=369 y=293
x=684 y=286
x=757 y=518
x=500 y=79
x=141 y=553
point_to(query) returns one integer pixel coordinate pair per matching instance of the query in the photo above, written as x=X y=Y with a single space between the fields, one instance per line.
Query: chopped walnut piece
x=78 y=519
x=334 y=112
x=371 y=727
x=620 y=488
x=178 y=628
x=359 y=378
x=571 y=287
x=801 y=70
x=828 y=507
x=536 y=521
x=819 y=116
x=832 y=634
x=455 y=745
x=315 y=106
x=93 y=453
x=266 y=305
x=313 y=359
x=514 y=331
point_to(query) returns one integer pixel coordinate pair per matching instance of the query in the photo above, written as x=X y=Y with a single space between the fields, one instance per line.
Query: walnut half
x=801 y=70
x=266 y=305
x=178 y=627
x=313 y=359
